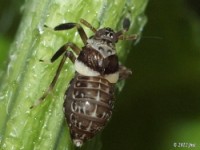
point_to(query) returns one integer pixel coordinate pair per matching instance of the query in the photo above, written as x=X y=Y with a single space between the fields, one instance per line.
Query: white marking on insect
x=79 y=125
x=94 y=113
x=89 y=127
x=112 y=78
x=83 y=136
x=82 y=95
x=84 y=70
x=103 y=115
x=74 y=107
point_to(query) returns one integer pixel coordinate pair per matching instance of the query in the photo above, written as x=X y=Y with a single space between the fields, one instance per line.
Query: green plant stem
x=26 y=78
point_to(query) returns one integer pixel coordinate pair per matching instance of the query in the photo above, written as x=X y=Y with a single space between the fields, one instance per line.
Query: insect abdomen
x=88 y=106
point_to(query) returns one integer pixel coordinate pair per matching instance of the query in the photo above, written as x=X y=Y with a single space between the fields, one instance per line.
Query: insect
x=89 y=99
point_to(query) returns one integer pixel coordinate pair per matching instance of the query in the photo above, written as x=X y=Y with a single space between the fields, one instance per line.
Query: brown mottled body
x=88 y=105
x=89 y=98
x=88 y=101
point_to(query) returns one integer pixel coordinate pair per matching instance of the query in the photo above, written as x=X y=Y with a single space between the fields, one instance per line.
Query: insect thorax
x=98 y=58
x=105 y=48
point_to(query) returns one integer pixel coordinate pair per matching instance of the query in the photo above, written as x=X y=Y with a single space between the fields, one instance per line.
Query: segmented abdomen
x=88 y=106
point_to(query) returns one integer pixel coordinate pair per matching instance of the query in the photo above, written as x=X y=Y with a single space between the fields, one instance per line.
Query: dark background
x=159 y=107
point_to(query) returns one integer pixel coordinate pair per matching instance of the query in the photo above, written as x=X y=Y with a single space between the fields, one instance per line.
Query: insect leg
x=124 y=72
x=67 y=54
x=67 y=26
x=63 y=49
x=87 y=24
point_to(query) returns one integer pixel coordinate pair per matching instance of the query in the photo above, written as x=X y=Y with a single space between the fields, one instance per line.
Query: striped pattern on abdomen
x=88 y=105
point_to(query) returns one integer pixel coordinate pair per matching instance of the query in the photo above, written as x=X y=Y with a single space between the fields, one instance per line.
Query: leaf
x=26 y=77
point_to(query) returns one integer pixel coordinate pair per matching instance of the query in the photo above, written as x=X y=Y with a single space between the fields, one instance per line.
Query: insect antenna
x=152 y=37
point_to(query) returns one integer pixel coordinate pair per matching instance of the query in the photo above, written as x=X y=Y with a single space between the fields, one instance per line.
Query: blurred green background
x=9 y=21
x=159 y=108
